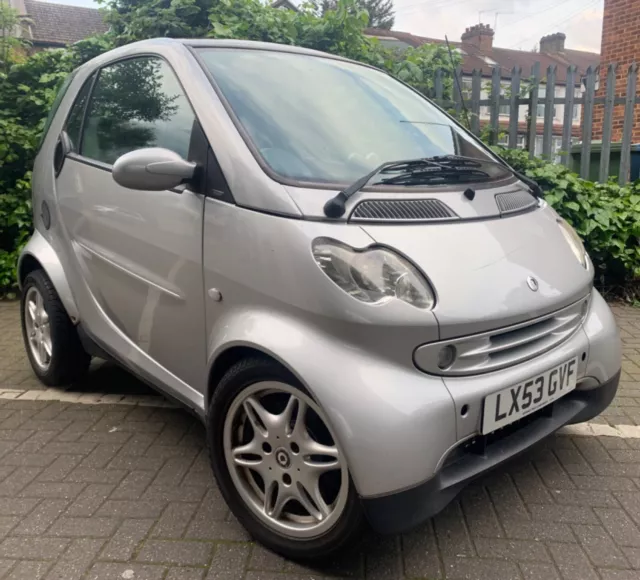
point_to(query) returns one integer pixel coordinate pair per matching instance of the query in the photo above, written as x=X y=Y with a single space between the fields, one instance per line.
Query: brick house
x=479 y=53
x=49 y=25
x=620 y=45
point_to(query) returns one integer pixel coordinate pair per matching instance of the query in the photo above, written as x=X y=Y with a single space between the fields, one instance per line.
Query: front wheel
x=278 y=465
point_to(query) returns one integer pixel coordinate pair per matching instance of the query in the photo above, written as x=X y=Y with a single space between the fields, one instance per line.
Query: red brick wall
x=620 y=45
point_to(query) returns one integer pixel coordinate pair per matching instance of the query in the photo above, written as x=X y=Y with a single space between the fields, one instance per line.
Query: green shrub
x=605 y=215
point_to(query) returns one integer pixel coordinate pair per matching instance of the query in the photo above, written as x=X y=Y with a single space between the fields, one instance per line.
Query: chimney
x=480 y=35
x=553 y=44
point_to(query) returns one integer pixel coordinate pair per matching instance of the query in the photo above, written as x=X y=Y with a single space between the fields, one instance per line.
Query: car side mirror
x=152 y=169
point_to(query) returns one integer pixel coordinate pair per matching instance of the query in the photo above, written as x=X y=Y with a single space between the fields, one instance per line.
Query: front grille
x=502 y=348
x=515 y=201
x=414 y=210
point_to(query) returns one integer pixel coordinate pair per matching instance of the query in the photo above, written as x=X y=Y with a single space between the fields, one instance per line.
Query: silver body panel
x=166 y=282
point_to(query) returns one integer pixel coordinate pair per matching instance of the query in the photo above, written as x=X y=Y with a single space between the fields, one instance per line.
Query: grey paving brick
x=126 y=540
x=30 y=570
x=17 y=506
x=618 y=575
x=89 y=500
x=588 y=499
x=173 y=471
x=263 y=559
x=60 y=468
x=137 y=444
x=101 y=455
x=185 y=573
x=631 y=503
x=572 y=562
x=36 y=442
x=227 y=530
x=538 y=531
x=131 y=509
x=133 y=485
x=7 y=524
x=479 y=513
x=563 y=514
x=5 y=566
x=593 y=450
x=175 y=493
x=451 y=533
x=92 y=527
x=530 y=485
x=33 y=548
x=53 y=490
x=135 y=462
x=93 y=475
x=531 y=571
x=28 y=459
x=599 y=547
x=477 y=569
x=83 y=550
x=37 y=522
x=621 y=528
x=176 y=552
x=108 y=571
x=382 y=558
x=229 y=562
x=552 y=472
x=174 y=520
x=420 y=553
x=516 y=550
x=505 y=497
x=595 y=482
x=59 y=448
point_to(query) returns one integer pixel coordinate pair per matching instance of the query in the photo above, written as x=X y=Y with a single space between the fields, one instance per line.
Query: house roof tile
x=60 y=24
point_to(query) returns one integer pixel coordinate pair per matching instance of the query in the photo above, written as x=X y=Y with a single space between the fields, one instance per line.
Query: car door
x=139 y=252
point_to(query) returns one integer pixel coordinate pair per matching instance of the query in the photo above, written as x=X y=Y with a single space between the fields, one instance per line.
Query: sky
x=520 y=23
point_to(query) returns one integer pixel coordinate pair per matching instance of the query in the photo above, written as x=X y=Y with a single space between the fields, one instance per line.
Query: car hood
x=480 y=269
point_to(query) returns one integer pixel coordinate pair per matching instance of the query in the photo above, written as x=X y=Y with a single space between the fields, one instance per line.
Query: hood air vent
x=515 y=201
x=413 y=210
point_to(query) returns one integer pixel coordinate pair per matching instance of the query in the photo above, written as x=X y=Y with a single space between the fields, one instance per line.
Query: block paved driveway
x=95 y=485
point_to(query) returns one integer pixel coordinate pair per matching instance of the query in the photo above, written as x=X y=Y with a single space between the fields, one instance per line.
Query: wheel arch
x=231 y=355
x=39 y=254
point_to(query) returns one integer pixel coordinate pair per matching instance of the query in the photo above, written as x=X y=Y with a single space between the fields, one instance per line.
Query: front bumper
x=402 y=511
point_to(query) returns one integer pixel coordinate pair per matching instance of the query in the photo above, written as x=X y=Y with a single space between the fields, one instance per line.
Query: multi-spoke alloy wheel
x=283 y=460
x=37 y=328
x=56 y=354
x=279 y=466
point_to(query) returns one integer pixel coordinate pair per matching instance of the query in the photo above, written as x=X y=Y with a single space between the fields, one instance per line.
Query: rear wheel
x=51 y=340
x=278 y=465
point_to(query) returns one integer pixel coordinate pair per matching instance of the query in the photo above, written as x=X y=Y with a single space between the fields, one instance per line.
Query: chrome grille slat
x=408 y=210
x=515 y=201
x=502 y=348
x=522 y=336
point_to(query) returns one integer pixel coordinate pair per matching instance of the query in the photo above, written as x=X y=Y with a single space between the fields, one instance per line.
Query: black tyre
x=50 y=338
x=277 y=464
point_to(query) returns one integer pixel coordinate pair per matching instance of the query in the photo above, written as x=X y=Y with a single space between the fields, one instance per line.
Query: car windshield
x=321 y=120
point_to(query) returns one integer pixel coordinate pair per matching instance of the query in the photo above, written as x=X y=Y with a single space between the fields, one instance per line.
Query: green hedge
x=605 y=215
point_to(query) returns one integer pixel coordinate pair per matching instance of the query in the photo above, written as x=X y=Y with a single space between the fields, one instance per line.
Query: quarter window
x=74 y=121
x=136 y=103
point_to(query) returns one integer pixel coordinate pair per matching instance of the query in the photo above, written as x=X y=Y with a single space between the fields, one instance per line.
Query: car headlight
x=575 y=243
x=374 y=276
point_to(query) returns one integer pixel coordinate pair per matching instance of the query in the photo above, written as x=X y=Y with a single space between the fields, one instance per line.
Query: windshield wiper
x=533 y=185
x=408 y=172
x=424 y=170
x=442 y=176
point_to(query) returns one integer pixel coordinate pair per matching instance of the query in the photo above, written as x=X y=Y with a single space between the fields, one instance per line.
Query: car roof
x=143 y=46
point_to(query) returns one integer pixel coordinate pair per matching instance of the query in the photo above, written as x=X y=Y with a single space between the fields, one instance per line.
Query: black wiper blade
x=533 y=185
x=441 y=176
x=335 y=207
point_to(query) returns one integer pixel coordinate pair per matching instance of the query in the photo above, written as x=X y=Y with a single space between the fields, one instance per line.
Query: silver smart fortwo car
x=366 y=307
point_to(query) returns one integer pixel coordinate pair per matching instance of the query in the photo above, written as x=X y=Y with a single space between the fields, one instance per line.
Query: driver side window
x=136 y=103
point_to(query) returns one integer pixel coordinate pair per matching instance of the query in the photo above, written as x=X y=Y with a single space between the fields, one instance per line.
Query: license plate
x=513 y=403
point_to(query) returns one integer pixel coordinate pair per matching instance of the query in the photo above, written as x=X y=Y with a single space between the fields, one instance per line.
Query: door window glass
x=74 y=122
x=62 y=91
x=136 y=103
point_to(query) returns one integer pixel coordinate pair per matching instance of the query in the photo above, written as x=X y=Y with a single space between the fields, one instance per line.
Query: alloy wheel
x=284 y=461
x=38 y=328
